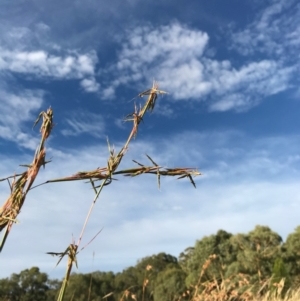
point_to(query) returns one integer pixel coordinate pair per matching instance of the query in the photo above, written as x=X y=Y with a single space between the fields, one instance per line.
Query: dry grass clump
x=234 y=288
x=237 y=288
x=229 y=290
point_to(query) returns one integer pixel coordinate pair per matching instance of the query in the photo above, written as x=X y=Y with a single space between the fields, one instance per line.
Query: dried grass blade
x=192 y=181
x=14 y=176
x=151 y=160
x=137 y=163
x=158 y=178
x=92 y=239
x=4 y=237
x=61 y=255
x=93 y=185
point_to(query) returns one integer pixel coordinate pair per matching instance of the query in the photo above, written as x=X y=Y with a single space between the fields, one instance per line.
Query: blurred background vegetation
x=253 y=263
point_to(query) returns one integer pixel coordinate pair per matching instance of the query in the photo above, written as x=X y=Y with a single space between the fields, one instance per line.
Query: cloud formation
x=22 y=52
x=17 y=108
x=42 y=64
x=176 y=56
x=274 y=32
x=90 y=85
x=83 y=122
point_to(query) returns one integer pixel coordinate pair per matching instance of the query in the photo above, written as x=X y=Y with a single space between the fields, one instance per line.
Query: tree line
x=258 y=256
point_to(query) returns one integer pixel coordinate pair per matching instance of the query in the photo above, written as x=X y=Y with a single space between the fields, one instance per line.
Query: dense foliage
x=258 y=255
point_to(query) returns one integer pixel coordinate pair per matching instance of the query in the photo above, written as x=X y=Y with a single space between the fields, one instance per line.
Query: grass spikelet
x=182 y=172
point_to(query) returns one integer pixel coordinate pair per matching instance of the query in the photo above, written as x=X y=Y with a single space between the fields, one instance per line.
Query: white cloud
x=235 y=101
x=23 y=51
x=244 y=88
x=108 y=93
x=42 y=64
x=84 y=122
x=175 y=56
x=164 y=109
x=147 y=45
x=274 y=31
x=90 y=85
x=152 y=53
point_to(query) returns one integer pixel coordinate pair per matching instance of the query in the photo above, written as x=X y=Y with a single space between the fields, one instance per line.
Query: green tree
x=185 y=257
x=105 y=284
x=54 y=286
x=91 y=286
x=150 y=267
x=140 y=280
x=29 y=285
x=257 y=251
x=9 y=290
x=128 y=280
x=169 y=285
x=198 y=263
x=279 y=274
x=291 y=253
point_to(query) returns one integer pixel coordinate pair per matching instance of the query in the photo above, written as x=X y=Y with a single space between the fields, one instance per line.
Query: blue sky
x=232 y=72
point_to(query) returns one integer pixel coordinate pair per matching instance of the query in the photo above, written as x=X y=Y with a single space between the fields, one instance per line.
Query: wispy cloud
x=84 y=122
x=21 y=52
x=165 y=110
x=90 y=85
x=150 y=52
x=42 y=64
x=17 y=108
x=25 y=38
x=274 y=32
x=175 y=56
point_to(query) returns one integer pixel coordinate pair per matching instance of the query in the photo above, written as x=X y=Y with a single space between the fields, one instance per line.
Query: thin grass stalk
x=90 y=211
